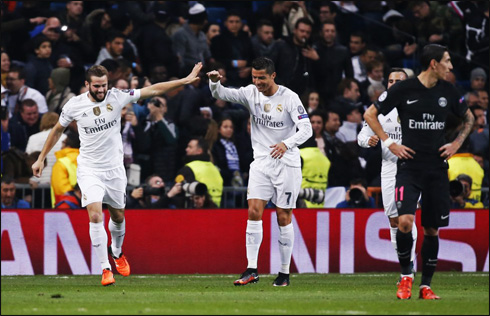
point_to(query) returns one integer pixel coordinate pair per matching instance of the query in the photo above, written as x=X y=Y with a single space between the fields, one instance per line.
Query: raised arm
x=448 y=150
x=163 y=87
x=53 y=137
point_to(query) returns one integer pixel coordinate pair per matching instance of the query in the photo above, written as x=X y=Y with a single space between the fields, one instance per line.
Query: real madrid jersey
x=273 y=119
x=423 y=112
x=99 y=127
x=392 y=127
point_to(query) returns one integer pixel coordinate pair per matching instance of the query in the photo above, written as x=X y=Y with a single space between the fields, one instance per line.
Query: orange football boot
x=405 y=288
x=122 y=264
x=427 y=294
x=107 y=277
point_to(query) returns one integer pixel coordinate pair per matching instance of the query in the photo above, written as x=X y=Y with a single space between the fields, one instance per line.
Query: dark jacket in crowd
x=19 y=131
x=38 y=71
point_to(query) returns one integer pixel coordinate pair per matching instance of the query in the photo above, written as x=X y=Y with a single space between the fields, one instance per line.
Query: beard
x=94 y=95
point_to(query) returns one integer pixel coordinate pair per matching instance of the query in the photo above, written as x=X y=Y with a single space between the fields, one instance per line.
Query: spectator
x=8 y=195
x=295 y=65
x=114 y=71
x=277 y=13
x=94 y=31
x=71 y=199
x=36 y=141
x=64 y=173
x=233 y=48
x=225 y=154
x=60 y=51
x=332 y=59
x=314 y=167
x=198 y=167
x=312 y=101
x=460 y=194
x=156 y=144
x=158 y=73
x=59 y=90
x=190 y=42
x=113 y=49
x=359 y=62
x=357 y=196
x=152 y=194
x=317 y=119
x=211 y=30
x=357 y=43
x=374 y=91
x=351 y=125
x=19 y=91
x=478 y=79
x=73 y=16
x=128 y=122
x=483 y=100
x=477 y=35
x=348 y=97
x=122 y=84
x=479 y=139
x=5 y=67
x=264 y=44
x=202 y=201
x=123 y=23
x=374 y=71
x=155 y=45
x=472 y=98
x=24 y=124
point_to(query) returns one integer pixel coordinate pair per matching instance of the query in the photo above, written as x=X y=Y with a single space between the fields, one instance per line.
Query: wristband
x=388 y=142
x=235 y=63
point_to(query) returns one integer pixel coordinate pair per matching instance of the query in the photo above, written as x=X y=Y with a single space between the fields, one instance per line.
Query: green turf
x=362 y=293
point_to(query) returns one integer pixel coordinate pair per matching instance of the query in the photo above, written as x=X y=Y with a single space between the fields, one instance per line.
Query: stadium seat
x=216 y=15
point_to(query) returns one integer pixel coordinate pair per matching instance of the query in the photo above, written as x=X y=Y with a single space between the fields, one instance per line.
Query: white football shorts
x=271 y=179
x=106 y=186
x=388 y=193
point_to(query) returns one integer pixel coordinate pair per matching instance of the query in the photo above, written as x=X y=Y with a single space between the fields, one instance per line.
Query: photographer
x=152 y=194
x=356 y=196
x=460 y=191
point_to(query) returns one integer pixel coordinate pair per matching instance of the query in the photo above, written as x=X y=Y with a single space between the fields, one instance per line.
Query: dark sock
x=430 y=249
x=404 y=242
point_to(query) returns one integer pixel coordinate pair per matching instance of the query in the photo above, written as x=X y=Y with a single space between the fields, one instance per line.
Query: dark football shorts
x=433 y=184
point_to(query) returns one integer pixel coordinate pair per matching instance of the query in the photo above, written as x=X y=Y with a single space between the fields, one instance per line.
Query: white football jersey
x=273 y=119
x=99 y=127
x=391 y=126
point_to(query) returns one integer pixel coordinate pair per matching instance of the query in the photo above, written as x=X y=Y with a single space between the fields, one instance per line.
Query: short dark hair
x=397 y=69
x=331 y=5
x=373 y=64
x=263 y=22
x=72 y=140
x=233 y=13
x=201 y=143
x=38 y=40
x=28 y=103
x=20 y=70
x=319 y=113
x=359 y=34
x=360 y=181
x=431 y=51
x=7 y=179
x=96 y=71
x=304 y=21
x=264 y=63
x=346 y=83
x=112 y=35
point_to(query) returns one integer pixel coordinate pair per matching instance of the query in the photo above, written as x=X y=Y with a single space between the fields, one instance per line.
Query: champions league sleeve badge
x=301 y=109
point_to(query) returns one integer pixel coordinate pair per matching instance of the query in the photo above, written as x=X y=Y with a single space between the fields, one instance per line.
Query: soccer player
x=367 y=138
x=275 y=174
x=101 y=174
x=423 y=104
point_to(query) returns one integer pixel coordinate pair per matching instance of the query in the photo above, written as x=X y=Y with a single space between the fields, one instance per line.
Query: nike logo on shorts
x=412 y=101
x=444 y=217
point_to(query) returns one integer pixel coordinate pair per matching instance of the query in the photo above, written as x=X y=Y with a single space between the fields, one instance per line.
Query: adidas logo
x=388 y=121
x=84 y=115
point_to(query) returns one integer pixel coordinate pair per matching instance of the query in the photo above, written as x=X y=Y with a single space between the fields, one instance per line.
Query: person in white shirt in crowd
x=275 y=174
x=18 y=91
x=367 y=138
x=101 y=174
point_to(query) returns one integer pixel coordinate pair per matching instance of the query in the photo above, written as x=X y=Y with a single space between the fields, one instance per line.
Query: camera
x=456 y=188
x=357 y=197
x=60 y=29
x=312 y=195
x=148 y=190
x=194 y=188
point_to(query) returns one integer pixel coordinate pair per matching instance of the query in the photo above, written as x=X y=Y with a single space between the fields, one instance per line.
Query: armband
x=388 y=142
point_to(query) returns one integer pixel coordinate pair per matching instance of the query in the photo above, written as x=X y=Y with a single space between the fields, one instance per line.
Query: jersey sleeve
x=389 y=99
x=458 y=104
x=364 y=136
x=240 y=95
x=66 y=116
x=297 y=111
x=302 y=122
x=127 y=95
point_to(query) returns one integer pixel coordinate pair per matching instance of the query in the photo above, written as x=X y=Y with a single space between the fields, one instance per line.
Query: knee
x=254 y=214
x=405 y=225
x=95 y=217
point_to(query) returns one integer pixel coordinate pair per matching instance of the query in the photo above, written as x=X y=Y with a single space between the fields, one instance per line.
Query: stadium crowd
x=334 y=54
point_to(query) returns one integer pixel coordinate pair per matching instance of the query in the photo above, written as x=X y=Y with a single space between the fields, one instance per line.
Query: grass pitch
x=361 y=293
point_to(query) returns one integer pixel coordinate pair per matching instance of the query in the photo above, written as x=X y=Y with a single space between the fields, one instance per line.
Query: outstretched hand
x=194 y=75
x=214 y=76
x=37 y=168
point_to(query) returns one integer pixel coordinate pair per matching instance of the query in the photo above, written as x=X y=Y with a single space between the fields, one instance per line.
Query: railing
x=233 y=197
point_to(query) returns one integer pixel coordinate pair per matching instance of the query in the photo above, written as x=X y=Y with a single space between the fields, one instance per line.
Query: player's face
x=395 y=77
x=97 y=88
x=262 y=80
x=443 y=67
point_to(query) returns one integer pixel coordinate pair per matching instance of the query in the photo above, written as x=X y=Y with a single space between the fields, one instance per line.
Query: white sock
x=254 y=235
x=98 y=236
x=414 y=236
x=286 y=241
x=117 y=234
x=393 y=237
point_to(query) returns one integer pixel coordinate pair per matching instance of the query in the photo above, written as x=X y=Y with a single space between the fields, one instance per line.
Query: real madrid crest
x=97 y=111
x=279 y=108
x=109 y=107
x=267 y=107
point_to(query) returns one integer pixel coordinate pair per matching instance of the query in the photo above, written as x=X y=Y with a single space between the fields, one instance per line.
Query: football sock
x=404 y=242
x=118 y=231
x=286 y=241
x=393 y=231
x=414 y=237
x=430 y=249
x=254 y=235
x=98 y=236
